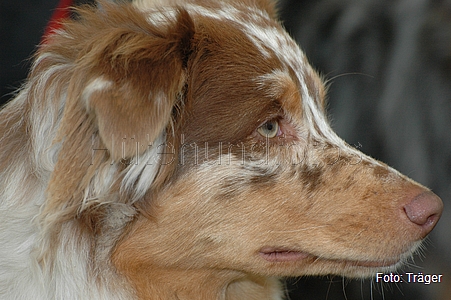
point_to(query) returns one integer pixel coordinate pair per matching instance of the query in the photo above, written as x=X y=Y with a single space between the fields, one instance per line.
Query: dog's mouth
x=273 y=254
x=280 y=255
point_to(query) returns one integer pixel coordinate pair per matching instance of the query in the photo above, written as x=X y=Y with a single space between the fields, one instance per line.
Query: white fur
x=22 y=193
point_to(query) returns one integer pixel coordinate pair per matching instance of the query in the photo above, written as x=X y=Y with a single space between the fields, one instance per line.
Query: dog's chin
x=297 y=261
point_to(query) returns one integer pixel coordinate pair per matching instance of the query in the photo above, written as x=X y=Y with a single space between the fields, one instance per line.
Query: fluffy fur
x=181 y=151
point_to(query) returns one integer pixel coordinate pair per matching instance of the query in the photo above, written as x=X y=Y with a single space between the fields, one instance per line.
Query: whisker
x=328 y=288
x=371 y=290
x=343 y=285
x=329 y=80
x=361 y=289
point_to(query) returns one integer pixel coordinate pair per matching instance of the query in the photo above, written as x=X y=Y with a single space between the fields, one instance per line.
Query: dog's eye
x=270 y=129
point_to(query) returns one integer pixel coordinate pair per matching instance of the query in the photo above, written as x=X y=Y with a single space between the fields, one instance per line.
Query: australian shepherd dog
x=180 y=150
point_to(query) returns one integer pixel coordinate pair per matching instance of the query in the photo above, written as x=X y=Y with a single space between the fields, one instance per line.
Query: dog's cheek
x=218 y=229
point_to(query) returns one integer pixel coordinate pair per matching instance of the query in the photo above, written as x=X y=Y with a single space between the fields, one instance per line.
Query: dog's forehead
x=260 y=58
x=266 y=34
x=272 y=41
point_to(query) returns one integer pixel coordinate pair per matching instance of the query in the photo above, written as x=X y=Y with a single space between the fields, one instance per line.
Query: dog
x=181 y=150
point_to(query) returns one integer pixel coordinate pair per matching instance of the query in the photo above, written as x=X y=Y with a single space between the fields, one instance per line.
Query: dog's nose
x=424 y=210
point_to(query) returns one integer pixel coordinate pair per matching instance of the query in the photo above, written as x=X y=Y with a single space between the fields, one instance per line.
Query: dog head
x=195 y=136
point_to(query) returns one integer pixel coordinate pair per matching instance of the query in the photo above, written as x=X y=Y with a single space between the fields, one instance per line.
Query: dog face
x=259 y=177
x=197 y=139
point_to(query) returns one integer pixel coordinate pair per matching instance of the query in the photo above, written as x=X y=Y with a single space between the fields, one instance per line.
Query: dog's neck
x=168 y=284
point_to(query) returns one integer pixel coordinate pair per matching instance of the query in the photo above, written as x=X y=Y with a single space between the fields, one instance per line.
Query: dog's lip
x=280 y=254
x=275 y=254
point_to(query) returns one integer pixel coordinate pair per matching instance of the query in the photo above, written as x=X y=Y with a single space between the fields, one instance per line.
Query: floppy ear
x=124 y=75
x=141 y=77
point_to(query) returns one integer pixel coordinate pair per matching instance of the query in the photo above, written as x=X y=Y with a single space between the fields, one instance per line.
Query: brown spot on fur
x=229 y=188
x=350 y=180
x=262 y=177
x=311 y=177
x=381 y=172
x=316 y=89
x=232 y=186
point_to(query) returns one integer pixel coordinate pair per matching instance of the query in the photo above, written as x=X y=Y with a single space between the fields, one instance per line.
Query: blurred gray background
x=389 y=62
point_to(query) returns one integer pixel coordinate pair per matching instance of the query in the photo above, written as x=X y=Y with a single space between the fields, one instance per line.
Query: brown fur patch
x=311 y=177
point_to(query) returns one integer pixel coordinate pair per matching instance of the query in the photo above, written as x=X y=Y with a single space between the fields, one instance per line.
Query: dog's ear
x=120 y=73
x=138 y=75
